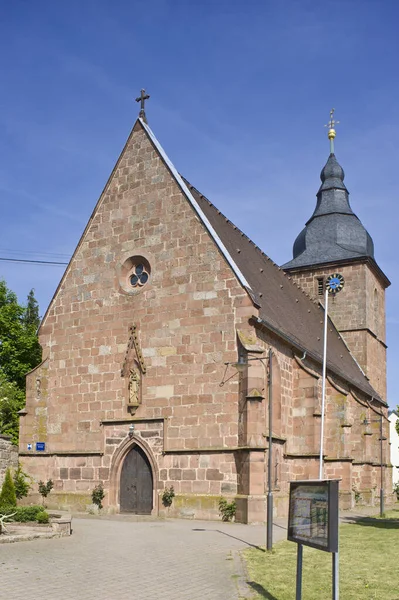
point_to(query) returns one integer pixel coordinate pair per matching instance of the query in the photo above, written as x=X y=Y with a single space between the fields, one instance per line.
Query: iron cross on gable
x=142 y=98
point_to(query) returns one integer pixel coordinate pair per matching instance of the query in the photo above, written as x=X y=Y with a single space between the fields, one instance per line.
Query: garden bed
x=58 y=526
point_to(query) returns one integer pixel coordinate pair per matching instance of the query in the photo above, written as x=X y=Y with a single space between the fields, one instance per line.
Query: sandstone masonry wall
x=8 y=456
x=186 y=318
x=358 y=312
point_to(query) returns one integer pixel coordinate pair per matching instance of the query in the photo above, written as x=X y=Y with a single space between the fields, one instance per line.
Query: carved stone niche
x=133 y=369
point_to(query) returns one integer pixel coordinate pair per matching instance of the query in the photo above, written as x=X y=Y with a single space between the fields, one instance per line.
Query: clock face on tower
x=334 y=283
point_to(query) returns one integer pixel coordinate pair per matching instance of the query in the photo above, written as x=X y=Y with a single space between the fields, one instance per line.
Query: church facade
x=139 y=388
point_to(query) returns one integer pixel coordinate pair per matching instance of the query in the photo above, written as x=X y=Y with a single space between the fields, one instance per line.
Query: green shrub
x=21 y=483
x=23 y=514
x=97 y=495
x=28 y=513
x=43 y=517
x=45 y=488
x=6 y=509
x=168 y=495
x=7 y=495
x=357 y=494
x=227 y=510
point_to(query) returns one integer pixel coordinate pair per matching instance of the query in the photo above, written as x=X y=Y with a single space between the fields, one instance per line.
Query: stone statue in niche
x=134 y=387
x=38 y=387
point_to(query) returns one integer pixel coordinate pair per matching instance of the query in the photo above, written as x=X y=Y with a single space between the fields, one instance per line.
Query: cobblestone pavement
x=119 y=559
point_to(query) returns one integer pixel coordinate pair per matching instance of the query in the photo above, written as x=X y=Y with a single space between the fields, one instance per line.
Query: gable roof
x=284 y=307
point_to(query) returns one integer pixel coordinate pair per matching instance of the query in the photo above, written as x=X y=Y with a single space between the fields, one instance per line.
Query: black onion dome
x=333 y=232
x=332 y=174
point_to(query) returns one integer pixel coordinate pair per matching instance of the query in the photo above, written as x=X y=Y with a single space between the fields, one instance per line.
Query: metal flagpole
x=269 y=531
x=334 y=284
x=323 y=389
x=382 y=469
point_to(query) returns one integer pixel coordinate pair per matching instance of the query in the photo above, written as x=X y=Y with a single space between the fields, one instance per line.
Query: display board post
x=298 y=595
x=313 y=521
x=335 y=576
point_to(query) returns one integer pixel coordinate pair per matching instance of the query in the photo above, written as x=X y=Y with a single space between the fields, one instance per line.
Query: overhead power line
x=35 y=262
x=37 y=255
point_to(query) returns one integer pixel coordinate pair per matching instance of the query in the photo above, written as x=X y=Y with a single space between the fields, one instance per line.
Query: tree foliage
x=31 y=316
x=20 y=352
x=12 y=399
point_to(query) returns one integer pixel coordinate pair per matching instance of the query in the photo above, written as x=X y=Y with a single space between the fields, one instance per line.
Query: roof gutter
x=265 y=325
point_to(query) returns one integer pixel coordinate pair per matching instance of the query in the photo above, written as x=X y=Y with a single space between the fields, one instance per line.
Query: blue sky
x=240 y=92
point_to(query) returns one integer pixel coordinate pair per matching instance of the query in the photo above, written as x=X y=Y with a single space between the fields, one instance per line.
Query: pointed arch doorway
x=136 y=483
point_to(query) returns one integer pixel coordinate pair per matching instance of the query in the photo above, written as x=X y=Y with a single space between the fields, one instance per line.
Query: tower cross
x=142 y=98
x=331 y=130
x=331 y=124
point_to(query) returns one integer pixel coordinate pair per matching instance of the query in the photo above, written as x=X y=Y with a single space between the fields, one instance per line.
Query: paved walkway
x=122 y=558
x=118 y=559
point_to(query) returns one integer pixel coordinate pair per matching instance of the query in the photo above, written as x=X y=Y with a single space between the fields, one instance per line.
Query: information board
x=313 y=514
x=40 y=446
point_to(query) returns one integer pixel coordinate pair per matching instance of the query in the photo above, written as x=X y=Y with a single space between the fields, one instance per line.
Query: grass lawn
x=368 y=553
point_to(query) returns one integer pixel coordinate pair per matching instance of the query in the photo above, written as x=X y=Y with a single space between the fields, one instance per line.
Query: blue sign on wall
x=40 y=446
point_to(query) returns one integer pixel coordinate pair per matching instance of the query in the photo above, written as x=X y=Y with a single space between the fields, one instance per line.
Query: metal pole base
x=269 y=525
x=382 y=507
x=335 y=576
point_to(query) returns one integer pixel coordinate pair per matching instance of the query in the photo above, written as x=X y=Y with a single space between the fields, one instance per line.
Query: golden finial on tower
x=331 y=130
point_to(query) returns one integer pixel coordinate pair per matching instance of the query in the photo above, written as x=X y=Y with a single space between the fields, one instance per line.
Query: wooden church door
x=136 y=483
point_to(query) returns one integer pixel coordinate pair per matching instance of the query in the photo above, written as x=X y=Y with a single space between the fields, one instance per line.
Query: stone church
x=171 y=332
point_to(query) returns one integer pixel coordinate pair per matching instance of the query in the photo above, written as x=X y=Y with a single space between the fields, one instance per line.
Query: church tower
x=335 y=241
